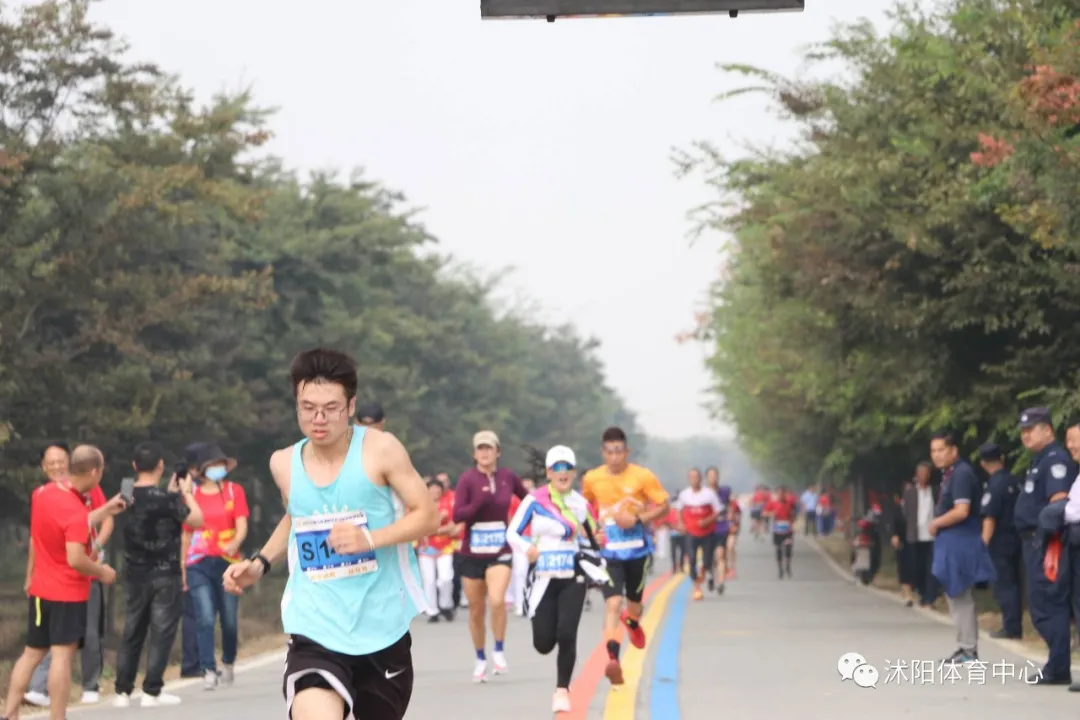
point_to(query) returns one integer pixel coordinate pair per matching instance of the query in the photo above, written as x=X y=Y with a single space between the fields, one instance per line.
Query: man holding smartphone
x=152 y=569
x=60 y=583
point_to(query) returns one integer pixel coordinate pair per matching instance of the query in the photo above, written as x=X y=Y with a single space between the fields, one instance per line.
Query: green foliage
x=882 y=282
x=157 y=274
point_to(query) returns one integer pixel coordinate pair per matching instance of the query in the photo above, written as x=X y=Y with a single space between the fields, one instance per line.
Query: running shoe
x=613 y=671
x=635 y=633
x=480 y=672
x=560 y=702
x=499 y=661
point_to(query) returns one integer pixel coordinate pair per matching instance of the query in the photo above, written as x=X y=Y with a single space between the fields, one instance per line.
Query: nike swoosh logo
x=392 y=675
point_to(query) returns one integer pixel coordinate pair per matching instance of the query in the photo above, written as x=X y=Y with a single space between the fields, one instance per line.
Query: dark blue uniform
x=998 y=503
x=960 y=558
x=1052 y=472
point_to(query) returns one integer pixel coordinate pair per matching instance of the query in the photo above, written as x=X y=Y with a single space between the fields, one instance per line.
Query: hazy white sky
x=540 y=146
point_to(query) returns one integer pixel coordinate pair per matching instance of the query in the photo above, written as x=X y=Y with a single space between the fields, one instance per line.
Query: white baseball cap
x=558 y=454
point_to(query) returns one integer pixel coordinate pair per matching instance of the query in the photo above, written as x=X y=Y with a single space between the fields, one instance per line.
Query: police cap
x=1035 y=416
x=990 y=451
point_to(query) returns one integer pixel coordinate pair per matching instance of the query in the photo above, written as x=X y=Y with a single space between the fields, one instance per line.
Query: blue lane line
x=664 y=690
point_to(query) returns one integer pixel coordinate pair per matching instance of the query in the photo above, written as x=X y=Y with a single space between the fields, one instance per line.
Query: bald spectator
x=60 y=533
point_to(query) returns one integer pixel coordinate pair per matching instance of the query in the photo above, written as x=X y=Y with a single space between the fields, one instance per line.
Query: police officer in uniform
x=999 y=534
x=1049 y=479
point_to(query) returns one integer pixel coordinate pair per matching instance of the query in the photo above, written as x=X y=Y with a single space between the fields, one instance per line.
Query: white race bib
x=487 y=538
x=557 y=560
x=318 y=561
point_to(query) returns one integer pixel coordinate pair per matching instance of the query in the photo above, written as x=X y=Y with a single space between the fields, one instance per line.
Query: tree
x=880 y=284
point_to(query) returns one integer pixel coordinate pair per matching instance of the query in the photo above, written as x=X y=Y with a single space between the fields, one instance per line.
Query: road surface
x=766 y=648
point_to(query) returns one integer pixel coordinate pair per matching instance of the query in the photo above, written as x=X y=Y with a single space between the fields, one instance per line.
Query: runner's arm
x=521 y=520
x=519 y=488
x=467 y=502
x=659 y=499
x=422 y=516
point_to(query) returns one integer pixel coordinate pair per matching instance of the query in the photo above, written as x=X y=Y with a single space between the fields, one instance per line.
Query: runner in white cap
x=563 y=554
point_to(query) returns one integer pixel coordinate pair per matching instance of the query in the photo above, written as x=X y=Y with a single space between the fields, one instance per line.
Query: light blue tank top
x=353 y=604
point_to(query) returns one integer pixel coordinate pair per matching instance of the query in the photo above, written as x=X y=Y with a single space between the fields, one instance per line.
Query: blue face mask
x=216 y=473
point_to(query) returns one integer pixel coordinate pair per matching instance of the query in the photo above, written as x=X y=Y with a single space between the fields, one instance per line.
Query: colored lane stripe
x=622 y=699
x=664 y=689
x=584 y=686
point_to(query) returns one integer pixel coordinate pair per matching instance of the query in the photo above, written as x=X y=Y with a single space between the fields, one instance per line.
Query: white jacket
x=550 y=531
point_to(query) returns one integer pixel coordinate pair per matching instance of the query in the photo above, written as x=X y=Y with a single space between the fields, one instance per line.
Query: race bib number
x=320 y=562
x=624 y=539
x=781 y=526
x=558 y=561
x=487 y=538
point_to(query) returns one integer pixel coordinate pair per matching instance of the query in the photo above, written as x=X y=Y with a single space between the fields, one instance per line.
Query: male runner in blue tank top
x=354 y=504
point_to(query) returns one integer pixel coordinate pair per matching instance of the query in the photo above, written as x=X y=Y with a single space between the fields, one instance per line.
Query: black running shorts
x=52 y=623
x=375 y=687
x=627 y=578
x=475 y=568
x=781 y=538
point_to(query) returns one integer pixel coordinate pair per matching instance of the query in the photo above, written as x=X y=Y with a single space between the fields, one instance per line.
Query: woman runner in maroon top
x=482 y=502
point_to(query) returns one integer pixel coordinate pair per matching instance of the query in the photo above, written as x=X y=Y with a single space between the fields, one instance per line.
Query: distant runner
x=723 y=532
x=782 y=511
x=354 y=506
x=733 y=536
x=699 y=507
x=628 y=497
x=758 y=501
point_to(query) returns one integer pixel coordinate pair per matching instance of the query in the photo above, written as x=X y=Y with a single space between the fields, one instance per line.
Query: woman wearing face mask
x=208 y=551
x=563 y=556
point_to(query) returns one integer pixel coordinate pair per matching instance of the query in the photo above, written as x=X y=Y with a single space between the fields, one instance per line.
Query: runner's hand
x=625 y=520
x=107 y=575
x=239 y=576
x=347 y=539
x=533 y=554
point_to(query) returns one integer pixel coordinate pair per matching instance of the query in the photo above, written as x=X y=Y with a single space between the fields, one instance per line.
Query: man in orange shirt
x=629 y=497
x=59 y=587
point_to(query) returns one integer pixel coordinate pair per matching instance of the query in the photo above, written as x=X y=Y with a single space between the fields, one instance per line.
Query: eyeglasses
x=330 y=412
x=562 y=467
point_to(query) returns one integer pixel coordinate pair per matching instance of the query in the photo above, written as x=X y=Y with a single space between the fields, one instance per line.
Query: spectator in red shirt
x=60 y=533
x=55 y=462
x=436 y=558
x=208 y=551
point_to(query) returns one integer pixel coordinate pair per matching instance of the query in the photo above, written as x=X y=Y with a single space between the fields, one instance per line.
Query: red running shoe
x=636 y=633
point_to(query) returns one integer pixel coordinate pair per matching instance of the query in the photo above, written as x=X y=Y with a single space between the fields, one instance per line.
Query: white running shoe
x=122 y=700
x=480 y=672
x=499 y=661
x=228 y=675
x=37 y=698
x=159 y=700
x=561 y=701
x=210 y=680
x=89 y=697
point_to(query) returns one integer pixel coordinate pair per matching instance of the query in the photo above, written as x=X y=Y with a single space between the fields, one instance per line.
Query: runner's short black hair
x=613 y=434
x=324 y=365
x=147 y=456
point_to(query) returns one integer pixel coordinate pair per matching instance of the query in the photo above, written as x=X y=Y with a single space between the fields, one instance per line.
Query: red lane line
x=584 y=686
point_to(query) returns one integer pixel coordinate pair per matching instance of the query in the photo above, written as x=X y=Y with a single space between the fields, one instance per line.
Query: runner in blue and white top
x=355 y=504
x=562 y=554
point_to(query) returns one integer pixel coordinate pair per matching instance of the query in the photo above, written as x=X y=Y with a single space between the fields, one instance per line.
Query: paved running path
x=767 y=648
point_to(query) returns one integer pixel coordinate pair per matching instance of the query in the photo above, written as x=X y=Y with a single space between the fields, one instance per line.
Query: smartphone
x=180 y=470
x=127 y=490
